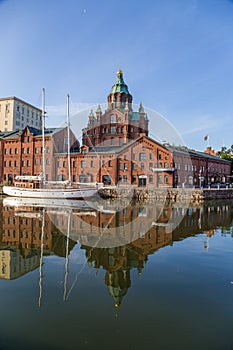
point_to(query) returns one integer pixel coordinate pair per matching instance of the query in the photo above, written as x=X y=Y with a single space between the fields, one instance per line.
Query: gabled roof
x=117 y=149
x=10 y=135
x=33 y=131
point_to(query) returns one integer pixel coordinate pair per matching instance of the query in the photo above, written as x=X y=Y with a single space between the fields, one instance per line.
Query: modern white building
x=15 y=114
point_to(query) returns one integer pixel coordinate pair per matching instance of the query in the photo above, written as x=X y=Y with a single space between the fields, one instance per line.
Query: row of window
x=189 y=167
x=26 y=162
x=31 y=122
x=113 y=130
x=28 y=112
x=26 y=150
x=162 y=179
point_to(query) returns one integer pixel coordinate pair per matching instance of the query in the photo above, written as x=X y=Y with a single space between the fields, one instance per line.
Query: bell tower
x=119 y=95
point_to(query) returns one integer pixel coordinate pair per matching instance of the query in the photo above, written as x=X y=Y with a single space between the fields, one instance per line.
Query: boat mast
x=68 y=136
x=67 y=257
x=43 y=137
x=41 y=257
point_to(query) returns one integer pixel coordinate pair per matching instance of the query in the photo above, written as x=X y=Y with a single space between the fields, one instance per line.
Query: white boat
x=19 y=202
x=49 y=193
x=36 y=186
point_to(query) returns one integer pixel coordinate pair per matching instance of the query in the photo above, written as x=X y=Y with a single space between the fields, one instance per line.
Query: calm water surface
x=115 y=276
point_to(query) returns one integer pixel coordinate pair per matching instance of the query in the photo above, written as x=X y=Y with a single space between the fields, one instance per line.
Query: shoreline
x=166 y=193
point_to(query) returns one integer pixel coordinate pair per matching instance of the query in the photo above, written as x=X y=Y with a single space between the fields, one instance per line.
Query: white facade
x=16 y=114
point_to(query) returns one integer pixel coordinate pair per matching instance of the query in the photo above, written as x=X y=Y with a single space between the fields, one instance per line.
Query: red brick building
x=193 y=168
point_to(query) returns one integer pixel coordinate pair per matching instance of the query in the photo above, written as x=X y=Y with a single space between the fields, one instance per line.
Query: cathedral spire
x=119 y=93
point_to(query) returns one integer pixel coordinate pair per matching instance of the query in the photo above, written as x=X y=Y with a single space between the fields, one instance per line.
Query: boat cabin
x=28 y=181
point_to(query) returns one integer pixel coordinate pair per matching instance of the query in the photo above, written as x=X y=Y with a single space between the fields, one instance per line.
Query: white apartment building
x=15 y=114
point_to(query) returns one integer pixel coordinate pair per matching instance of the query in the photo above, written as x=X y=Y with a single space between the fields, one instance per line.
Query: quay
x=169 y=194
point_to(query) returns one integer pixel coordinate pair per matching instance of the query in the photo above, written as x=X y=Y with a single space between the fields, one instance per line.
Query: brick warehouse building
x=116 y=150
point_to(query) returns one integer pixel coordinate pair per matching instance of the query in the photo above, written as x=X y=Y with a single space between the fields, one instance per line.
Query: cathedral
x=119 y=123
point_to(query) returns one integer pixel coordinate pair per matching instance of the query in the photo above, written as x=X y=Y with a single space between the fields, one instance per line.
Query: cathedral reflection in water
x=118 y=239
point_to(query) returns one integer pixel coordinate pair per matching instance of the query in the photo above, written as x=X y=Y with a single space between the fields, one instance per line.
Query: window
x=142 y=166
x=120 y=141
x=28 y=150
x=23 y=150
x=74 y=164
x=151 y=179
x=10 y=150
x=74 y=178
x=134 y=156
x=22 y=110
x=28 y=162
x=165 y=179
x=165 y=165
x=120 y=166
x=109 y=163
x=113 y=118
x=151 y=156
x=64 y=164
x=134 y=179
x=150 y=165
x=125 y=178
x=6 y=122
x=16 y=163
x=83 y=164
x=159 y=179
x=102 y=163
x=142 y=156
x=125 y=166
x=83 y=178
x=36 y=161
x=22 y=162
x=10 y=163
x=134 y=166
x=113 y=129
x=92 y=164
x=47 y=161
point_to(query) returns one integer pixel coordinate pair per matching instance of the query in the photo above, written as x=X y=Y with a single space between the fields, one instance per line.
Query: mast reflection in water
x=182 y=298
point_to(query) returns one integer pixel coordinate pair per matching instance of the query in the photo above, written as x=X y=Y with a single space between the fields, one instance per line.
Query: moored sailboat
x=37 y=187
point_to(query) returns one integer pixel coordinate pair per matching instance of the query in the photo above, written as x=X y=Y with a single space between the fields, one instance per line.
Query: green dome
x=120 y=85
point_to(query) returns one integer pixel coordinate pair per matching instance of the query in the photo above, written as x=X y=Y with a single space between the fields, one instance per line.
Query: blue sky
x=176 y=55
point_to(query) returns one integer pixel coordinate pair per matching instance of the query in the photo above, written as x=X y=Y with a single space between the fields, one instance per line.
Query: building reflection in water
x=144 y=230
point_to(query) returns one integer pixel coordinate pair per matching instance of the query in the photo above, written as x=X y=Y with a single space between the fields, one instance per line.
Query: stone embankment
x=169 y=194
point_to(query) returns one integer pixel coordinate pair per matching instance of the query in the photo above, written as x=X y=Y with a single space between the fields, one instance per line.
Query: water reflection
x=29 y=232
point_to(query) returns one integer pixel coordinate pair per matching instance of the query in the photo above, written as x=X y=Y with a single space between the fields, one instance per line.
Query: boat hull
x=80 y=193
